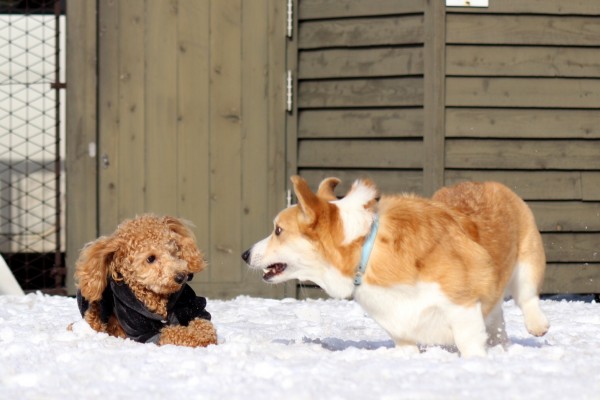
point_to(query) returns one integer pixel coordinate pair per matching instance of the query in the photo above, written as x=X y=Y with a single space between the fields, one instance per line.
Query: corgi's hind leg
x=526 y=282
x=535 y=320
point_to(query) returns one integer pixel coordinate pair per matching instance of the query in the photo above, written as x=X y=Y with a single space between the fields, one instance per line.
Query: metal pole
x=58 y=270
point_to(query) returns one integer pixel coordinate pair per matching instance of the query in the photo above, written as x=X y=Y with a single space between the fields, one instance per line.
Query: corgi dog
x=428 y=271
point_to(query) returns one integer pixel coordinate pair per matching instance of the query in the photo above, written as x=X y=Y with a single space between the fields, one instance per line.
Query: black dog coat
x=139 y=323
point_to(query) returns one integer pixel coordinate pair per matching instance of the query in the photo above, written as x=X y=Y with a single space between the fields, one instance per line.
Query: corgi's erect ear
x=307 y=201
x=187 y=243
x=92 y=267
x=326 y=188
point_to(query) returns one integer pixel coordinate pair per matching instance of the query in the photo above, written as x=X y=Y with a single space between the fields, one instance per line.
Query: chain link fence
x=31 y=142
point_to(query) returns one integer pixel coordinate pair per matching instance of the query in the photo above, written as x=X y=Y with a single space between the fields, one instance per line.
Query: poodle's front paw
x=199 y=333
x=204 y=331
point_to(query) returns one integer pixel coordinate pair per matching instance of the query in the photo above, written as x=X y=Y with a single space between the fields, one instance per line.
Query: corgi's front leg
x=469 y=331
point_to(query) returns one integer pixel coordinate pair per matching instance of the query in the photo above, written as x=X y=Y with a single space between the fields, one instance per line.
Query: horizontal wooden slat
x=522 y=123
x=350 y=63
x=591 y=186
x=361 y=32
x=522 y=154
x=315 y=9
x=567 y=216
x=523 y=92
x=522 y=61
x=360 y=153
x=523 y=30
x=369 y=123
x=361 y=93
x=572 y=278
x=559 y=278
x=584 y=7
x=387 y=181
x=571 y=247
x=530 y=185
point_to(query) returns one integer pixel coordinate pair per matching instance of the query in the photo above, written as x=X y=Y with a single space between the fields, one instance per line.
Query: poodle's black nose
x=246 y=255
x=180 y=278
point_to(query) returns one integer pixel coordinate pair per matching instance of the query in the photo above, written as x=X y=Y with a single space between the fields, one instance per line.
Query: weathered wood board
x=361 y=32
x=379 y=123
x=359 y=153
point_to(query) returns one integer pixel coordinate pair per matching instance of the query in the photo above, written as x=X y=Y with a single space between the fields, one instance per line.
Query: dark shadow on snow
x=532 y=342
x=335 y=344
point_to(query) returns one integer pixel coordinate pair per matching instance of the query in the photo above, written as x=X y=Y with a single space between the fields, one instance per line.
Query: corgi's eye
x=278 y=230
x=151 y=259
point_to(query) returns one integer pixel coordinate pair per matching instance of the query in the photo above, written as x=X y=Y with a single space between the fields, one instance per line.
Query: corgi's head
x=319 y=239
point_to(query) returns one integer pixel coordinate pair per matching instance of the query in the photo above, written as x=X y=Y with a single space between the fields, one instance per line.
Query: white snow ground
x=289 y=349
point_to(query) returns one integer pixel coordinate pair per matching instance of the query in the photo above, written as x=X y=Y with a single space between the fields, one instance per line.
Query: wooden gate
x=190 y=122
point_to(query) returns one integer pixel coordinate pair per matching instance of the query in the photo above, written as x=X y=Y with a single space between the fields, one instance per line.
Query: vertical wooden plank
x=193 y=105
x=81 y=131
x=161 y=107
x=434 y=96
x=108 y=117
x=291 y=130
x=131 y=142
x=225 y=141
x=277 y=167
x=257 y=155
x=254 y=116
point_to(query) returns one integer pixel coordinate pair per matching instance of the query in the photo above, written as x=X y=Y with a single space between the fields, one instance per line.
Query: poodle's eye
x=151 y=259
x=278 y=230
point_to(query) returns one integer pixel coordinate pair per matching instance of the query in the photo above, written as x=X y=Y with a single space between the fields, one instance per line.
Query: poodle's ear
x=326 y=188
x=187 y=244
x=92 y=267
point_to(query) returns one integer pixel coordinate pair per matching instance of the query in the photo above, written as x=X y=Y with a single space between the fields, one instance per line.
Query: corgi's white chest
x=419 y=313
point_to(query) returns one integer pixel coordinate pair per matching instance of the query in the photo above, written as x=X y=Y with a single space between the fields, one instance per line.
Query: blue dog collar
x=366 y=252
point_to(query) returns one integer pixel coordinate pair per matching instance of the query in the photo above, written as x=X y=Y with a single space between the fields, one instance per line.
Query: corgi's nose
x=246 y=255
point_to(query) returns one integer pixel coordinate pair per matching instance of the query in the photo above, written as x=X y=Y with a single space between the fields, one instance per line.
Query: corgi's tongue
x=272 y=270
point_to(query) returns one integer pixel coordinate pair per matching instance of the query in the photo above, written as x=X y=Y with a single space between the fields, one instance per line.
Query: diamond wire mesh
x=28 y=145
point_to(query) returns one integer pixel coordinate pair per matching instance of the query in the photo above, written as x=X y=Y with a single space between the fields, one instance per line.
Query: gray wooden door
x=191 y=123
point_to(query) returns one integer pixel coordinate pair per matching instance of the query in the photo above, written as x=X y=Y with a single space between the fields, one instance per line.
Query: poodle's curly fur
x=153 y=256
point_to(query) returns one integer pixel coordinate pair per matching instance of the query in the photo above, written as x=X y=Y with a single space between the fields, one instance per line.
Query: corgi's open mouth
x=273 y=270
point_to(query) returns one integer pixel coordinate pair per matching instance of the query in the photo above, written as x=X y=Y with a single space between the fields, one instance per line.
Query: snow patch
x=292 y=349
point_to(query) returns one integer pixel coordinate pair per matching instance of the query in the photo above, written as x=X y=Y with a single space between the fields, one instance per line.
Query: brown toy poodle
x=133 y=284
